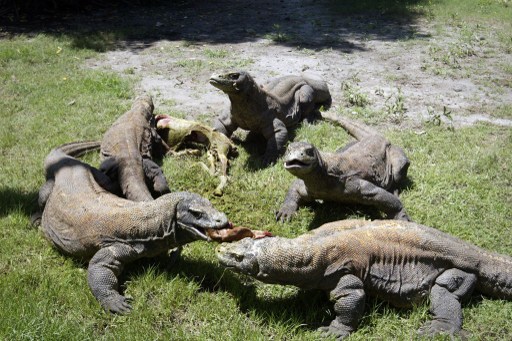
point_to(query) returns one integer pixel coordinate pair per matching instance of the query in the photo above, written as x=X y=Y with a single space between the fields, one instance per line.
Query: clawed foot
x=336 y=329
x=117 y=304
x=35 y=218
x=285 y=214
x=433 y=328
x=161 y=187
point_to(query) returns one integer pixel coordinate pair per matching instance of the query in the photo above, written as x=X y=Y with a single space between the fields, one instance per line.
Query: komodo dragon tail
x=354 y=128
x=77 y=149
x=495 y=276
x=73 y=149
x=51 y=162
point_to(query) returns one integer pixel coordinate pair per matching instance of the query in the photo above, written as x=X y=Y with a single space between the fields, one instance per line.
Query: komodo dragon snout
x=229 y=81
x=240 y=256
x=300 y=157
x=195 y=215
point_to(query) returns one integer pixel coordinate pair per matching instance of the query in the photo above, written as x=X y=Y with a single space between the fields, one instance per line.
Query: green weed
x=211 y=53
x=395 y=107
x=353 y=95
x=278 y=35
x=436 y=119
x=214 y=60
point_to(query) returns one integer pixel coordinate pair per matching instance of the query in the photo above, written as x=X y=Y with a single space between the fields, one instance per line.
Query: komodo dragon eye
x=233 y=76
x=196 y=213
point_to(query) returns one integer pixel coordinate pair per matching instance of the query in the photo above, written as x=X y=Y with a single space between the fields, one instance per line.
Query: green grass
x=213 y=60
x=461 y=182
x=278 y=35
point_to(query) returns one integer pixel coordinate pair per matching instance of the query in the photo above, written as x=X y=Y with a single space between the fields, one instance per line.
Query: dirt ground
x=421 y=65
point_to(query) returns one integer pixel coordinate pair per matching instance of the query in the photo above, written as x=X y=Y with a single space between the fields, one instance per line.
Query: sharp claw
x=328 y=331
x=283 y=217
x=124 y=309
x=118 y=305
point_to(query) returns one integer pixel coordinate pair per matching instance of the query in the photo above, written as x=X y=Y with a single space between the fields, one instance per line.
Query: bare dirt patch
x=404 y=70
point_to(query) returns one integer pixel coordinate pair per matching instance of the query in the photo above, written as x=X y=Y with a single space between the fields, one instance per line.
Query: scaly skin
x=269 y=110
x=85 y=220
x=178 y=134
x=398 y=261
x=363 y=172
x=126 y=151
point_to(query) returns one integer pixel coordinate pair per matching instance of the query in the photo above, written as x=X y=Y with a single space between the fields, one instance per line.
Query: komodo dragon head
x=231 y=81
x=241 y=256
x=195 y=215
x=300 y=158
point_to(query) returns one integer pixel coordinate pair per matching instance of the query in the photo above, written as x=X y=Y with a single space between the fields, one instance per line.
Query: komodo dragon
x=269 y=110
x=398 y=261
x=363 y=172
x=126 y=151
x=84 y=220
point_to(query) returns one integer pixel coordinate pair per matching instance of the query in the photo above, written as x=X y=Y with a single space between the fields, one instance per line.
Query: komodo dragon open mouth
x=225 y=82
x=213 y=81
x=294 y=163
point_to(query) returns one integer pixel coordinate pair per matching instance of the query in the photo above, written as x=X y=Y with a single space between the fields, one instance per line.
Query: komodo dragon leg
x=153 y=175
x=366 y=193
x=449 y=289
x=224 y=124
x=303 y=104
x=296 y=196
x=44 y=193
x=104 y=268
x=276 y=136
x=305 y=98
x=155 y=178
x=349 y=300
x=399 y=164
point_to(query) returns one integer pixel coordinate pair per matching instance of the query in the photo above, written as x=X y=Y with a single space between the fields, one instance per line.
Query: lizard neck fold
x=284 y=261
x=317 y=174
x=247 y=93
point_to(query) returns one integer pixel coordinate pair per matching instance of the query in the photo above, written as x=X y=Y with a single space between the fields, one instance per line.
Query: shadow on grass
x=255 y=144
x=326 y=24
x=329 y=211
x=309 y=307
x=14 y=200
